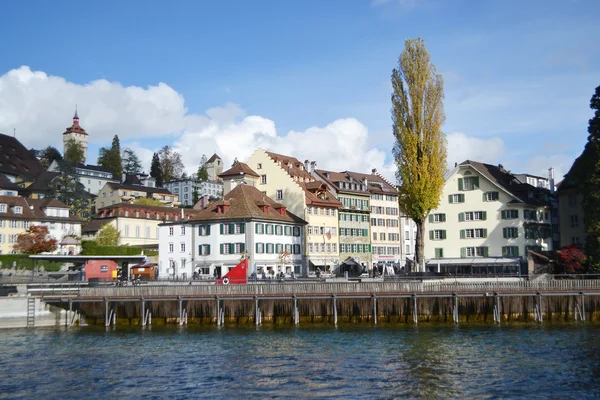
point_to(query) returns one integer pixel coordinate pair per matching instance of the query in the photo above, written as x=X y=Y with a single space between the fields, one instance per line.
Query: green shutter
x=431 y=235
x=243 y=227
x=476 y=183
x=430 y=217
x=463 y=252
x=461 y=197
x=444 y=234
x=516 y=251
x=485 y=233
x=450 y=198
x=255 y=228
x=231 y=248
x=460 y=183
x=208 y=249
x=365 y=232
x=504 y=251
x=517 y=213
x=484 y=215
x=443 y=217
x=207 y=230
x=503 y=214
x=221 y=246
x=485 y=251
x=221 y=233
x=461 y=217
x=200 y=249
x=256 y=250
x=231 y=229
x=504 y=233
x=242 y=246
x=462 y=233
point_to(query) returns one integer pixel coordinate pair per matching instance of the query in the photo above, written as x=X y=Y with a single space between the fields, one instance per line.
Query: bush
x=91 y=248
x=24 y=262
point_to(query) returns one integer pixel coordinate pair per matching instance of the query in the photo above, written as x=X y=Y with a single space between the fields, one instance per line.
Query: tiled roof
x=64 y=163
x=6 y=183
x=239 y=169
x=42 y=182
x=317 y=193
x=95 y=225
x=75 y=128
x=292 y=165
x=507 y=181
x=375 y=183
x=15 y=159
x=244 y=202
x=213 y=158
x=336 y=177
x=140 y=207
x=34 y=209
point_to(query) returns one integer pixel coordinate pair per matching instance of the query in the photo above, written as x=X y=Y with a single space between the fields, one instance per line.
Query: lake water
x=358 y=362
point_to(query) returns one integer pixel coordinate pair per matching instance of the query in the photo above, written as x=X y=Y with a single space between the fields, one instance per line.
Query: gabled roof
x=213 y=158
x=508 y=182
x=35 y=209
x=375 y=183
x=569 y=179
x=239 y=169
x=317 y=194
x=64 y=163
x=334 y=178
x=292 y=165
x=6 y=183
x=243 y=202
x=42 y=182
x=141 y=207
x=16 y=160
x=95 y=225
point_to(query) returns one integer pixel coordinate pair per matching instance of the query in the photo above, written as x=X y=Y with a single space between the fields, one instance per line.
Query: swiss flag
x=237 y=275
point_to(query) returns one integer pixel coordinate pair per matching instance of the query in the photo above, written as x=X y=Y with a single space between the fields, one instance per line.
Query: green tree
x=48 y=155
x=202 y=171
x=147 y=201
x=195 y=195
x=420 y=145
x=67 y=189
x=111 y=157
x=155 y=170
x=171 y=166
x=131 y=162
x=588 y=181
x=108 y=235
x=74 y=151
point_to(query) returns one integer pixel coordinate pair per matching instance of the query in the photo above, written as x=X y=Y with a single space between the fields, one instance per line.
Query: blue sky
x=285 y=74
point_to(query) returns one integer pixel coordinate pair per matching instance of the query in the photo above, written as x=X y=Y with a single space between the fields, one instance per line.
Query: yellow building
x=114 y=193
x=291 y=182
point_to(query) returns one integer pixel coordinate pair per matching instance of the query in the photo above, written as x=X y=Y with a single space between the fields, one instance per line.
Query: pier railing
x=348 y=288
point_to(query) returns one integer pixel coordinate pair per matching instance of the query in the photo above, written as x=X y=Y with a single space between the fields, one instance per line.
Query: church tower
x=76 y=132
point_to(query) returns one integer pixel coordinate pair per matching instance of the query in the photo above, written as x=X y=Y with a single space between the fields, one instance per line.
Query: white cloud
x=462 y=147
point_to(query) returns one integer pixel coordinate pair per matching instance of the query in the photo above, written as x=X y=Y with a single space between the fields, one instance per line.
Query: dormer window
x=279 y=163
x=18 y=210
x=3 y=208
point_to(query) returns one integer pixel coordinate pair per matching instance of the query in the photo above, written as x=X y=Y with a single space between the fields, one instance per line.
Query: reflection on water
x=469 y=361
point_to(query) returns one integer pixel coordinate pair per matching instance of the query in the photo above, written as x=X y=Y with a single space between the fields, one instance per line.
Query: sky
x=307 y=78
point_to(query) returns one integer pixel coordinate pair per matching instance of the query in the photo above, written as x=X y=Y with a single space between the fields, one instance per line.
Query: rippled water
x=469 y=361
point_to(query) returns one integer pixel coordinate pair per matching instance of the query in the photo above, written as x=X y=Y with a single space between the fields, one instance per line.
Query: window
x=260 y=228
x=263 y=179
x=182 y=247
x=510 y=251
x=182 y=230
x=490 y=196
x=439 y=234
x=510 y=233
x=137 y=231
x=3 y=208
x=474 y=252
x=575 y=240
x=260 y=248
x=439 y=253
x=437 y=217
x=170 y=231
x=238 y=228
x=470 y=183
x=572 y=200
x=509 y=214
x=456 y=198
x=170 y=247
x=259 y=166
x=18 y=210
x=374 y=235
x=279 y=195
x=574 y=221
x=269 y=229
x=382 y=236
x=204 y=249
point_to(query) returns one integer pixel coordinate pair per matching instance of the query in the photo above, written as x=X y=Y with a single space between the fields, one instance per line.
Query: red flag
x=236 y=275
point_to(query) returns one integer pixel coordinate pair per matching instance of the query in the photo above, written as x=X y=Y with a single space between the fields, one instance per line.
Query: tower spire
x=75 y=117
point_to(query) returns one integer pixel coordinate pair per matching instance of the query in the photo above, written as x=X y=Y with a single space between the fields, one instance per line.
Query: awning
x=481 y=261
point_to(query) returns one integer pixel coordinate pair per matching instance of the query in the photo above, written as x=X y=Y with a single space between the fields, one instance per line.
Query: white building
x=185 y=189
x=247 y=223
x=92 y=177
x=487 y=221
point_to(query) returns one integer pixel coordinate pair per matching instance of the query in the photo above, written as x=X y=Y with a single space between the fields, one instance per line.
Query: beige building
x=137 y=224
x=487 y=221
x=17 y=214
x=354 y=218
x=113 y=193
x=214 y=167
x=289 y=181
x=570 y=211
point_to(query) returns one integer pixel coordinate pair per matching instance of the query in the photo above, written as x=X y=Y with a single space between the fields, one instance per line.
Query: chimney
x=313 y=164
x=551 y=179
x=374 y=171
x=306 y=162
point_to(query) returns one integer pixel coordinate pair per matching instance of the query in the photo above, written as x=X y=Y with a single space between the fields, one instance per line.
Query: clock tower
x=76 y=132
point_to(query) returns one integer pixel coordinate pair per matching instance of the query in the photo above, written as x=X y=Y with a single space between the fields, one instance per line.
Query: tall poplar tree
x=588 y=182
x=420 y=147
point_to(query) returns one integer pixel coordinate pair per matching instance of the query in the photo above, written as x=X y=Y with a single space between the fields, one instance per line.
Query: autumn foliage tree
x=108 y=236
x=571 y=259
x=35 y=240
x=420 y=146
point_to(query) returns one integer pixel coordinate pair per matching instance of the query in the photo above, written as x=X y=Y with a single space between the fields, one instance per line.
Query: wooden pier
x=330 y=302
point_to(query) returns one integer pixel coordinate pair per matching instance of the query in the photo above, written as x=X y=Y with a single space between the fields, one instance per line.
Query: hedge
x=91 y=248
x=24 y=262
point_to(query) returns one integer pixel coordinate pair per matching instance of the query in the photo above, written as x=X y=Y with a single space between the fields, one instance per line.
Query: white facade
x=209 y=247
x=480 y=218
x=185 y=189
x=408 y=230
x=92 y=179
x=385 y=229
